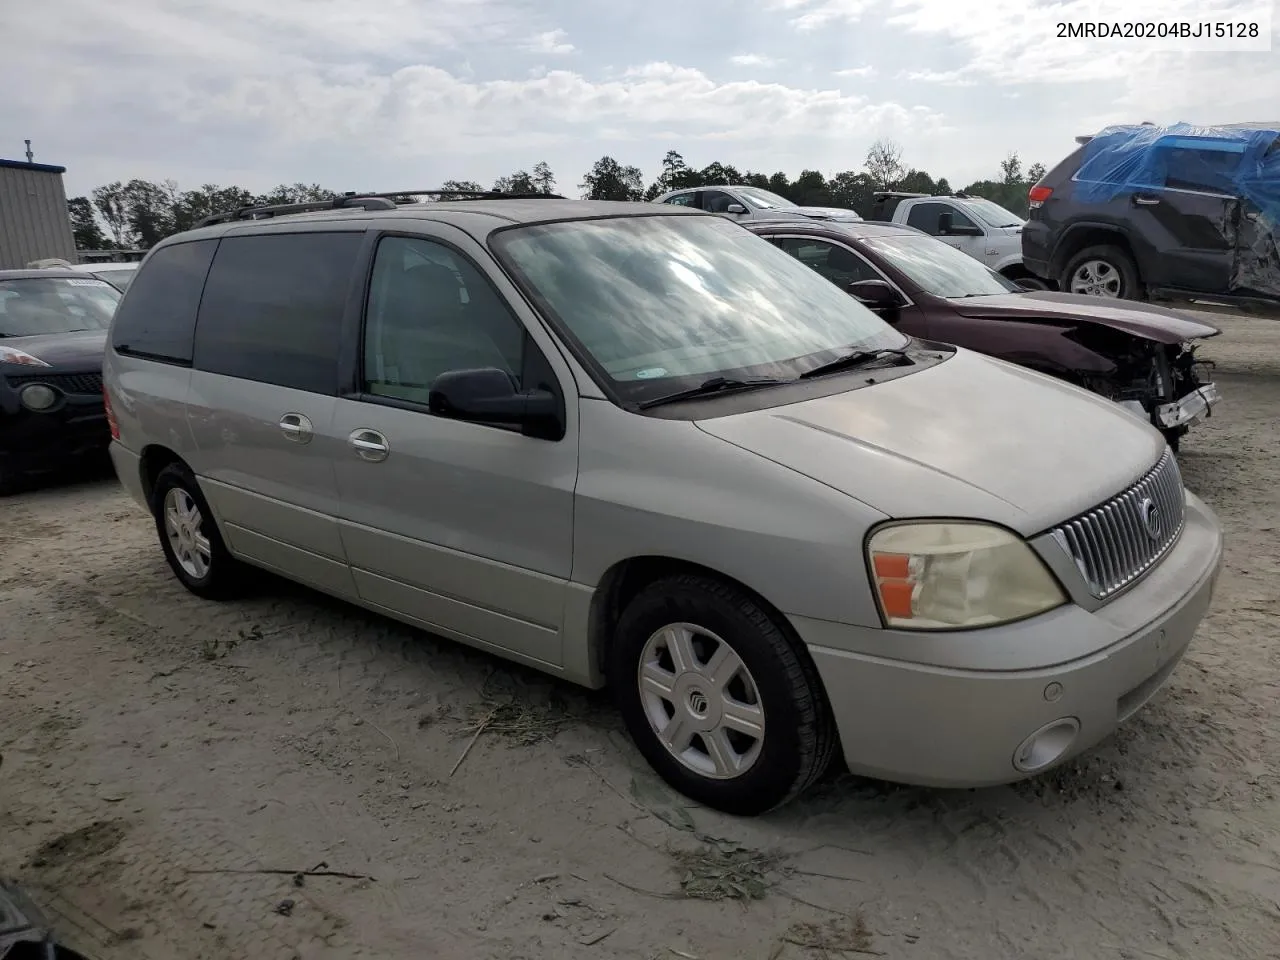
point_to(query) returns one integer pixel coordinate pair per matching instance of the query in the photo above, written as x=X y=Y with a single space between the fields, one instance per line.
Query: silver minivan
x=635 y=445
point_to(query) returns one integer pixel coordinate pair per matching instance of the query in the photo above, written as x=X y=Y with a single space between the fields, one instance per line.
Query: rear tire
x=699 y=664
x=190 y=539
x=1102 y=271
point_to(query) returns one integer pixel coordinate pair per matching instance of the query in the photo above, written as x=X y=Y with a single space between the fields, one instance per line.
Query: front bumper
x=953 y=727
x=31 y=442
x=1193 y=407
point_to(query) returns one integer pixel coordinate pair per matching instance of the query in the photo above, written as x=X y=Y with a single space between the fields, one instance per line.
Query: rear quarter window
x=273 y=307
x=158 y=317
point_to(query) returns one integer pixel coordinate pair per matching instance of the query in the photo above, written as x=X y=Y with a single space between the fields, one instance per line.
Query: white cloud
x=808 y=15
x=863 y=71
x=552 y=43
x=753 y=60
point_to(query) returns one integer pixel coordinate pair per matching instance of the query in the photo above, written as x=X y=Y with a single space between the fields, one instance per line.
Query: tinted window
x=1209 y=171
x=681 y=200
x=833 y=261
x=924 y=216
x=158 y=317
x=272 y=308
x=431 y=311
x=666 y=302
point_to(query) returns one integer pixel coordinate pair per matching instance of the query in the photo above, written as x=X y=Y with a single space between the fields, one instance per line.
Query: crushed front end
x=1166 y=384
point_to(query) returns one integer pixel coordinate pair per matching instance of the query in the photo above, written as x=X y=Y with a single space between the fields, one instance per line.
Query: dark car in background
x=1172 y=213
x=1139 y=355
x=53 y=327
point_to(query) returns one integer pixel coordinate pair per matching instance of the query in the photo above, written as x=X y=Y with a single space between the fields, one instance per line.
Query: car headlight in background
x=954 y=575
x=14 y=355
x=38 y=397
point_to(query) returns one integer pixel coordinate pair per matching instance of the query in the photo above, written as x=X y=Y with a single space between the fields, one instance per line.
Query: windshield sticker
x=651 y=373
x=88 y=283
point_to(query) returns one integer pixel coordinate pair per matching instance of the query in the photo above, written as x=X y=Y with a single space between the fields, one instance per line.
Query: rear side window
x=157 y=319
x=272 y=308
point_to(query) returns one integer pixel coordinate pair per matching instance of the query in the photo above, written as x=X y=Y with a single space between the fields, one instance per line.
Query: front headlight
x=14 y=355
x=947 y=576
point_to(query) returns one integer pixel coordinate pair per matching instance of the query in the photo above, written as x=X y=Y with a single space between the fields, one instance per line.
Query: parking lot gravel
x=286 y=776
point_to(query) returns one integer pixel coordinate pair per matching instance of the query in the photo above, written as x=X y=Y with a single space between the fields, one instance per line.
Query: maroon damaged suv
x=1139 y=355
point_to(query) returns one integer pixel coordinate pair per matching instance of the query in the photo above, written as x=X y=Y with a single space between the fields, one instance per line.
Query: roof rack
x=367 y=201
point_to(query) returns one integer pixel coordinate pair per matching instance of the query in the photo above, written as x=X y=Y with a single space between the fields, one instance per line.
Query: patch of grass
x=839 y=935
x=728 y=872
x=518 y=721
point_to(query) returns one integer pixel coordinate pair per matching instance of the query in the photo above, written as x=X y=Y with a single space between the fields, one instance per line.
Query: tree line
x=139 y=213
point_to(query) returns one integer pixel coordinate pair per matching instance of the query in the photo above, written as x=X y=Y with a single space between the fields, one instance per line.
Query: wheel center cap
x=698 y=703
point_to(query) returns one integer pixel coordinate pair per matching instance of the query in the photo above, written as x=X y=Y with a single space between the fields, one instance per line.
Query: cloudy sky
x=400 y=94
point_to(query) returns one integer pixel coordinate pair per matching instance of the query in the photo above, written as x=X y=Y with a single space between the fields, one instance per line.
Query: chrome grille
x=1118 y=541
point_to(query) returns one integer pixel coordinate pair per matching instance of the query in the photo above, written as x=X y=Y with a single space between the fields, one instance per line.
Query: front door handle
x=369 y=445
x=296 y=427
x=1146 y=201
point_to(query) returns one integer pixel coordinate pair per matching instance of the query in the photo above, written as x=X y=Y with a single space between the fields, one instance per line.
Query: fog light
x=38 y=396
x=1047 y=745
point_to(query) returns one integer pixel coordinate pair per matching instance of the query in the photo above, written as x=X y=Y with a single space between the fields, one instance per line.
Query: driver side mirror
x=736 y=209
x=489 y=395
x=875 y=294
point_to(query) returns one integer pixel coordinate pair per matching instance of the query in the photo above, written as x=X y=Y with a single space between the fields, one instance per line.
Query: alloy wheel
x=701 y=701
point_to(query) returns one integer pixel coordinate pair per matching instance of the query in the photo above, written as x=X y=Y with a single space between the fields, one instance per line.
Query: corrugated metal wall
x=33 y=218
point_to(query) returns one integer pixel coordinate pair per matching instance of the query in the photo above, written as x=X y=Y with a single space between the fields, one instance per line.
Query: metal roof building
x=34 y=224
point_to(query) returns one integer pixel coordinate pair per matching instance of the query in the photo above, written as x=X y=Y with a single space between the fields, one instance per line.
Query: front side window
x=273 y=306
x=431 y=311
x=667 y=302
x=925 y=217
x=716 y=201
x=38 y=306
x=940 y=269
x=837 y=264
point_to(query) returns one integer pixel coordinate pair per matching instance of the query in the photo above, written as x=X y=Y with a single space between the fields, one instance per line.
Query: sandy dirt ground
x=163 y=755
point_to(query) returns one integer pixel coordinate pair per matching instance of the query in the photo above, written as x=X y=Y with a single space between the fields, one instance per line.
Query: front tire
x=1102 y=271
x=189 y=536
x=719 y=698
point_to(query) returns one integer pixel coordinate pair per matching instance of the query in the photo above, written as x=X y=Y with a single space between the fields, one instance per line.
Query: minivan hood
x=1141 y=319
x=85 y=348
x=971 y=437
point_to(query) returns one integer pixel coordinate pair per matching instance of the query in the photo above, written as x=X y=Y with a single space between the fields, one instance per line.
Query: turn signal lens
x=111 y=417
x=947 y=576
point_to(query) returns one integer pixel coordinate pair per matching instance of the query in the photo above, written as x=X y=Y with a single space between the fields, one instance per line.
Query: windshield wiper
x=709 y=387
x=857 y=358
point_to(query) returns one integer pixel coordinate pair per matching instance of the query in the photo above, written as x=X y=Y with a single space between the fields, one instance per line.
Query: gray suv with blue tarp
x=1172 y=212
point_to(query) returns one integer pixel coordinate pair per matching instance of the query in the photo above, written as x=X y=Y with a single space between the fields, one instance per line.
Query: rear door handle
x=296 y=427
x=369 y=445
x=1145 y=201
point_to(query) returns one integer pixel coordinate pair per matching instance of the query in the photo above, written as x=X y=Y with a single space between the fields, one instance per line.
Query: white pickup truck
x=984 y=230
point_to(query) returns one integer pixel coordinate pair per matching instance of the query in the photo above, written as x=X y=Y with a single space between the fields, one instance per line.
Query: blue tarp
x=1234 y=160
x=1239 y=161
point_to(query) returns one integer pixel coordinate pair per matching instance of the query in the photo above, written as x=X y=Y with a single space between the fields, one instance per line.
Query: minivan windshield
x=764 y=199
x=663 y=302
x=940 y=269
x=41 y=305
